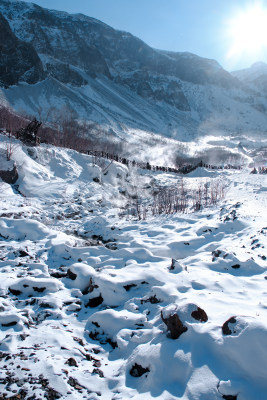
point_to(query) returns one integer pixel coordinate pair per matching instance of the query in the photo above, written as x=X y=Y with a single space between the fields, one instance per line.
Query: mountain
x=114 y=79
x=19 y=61
x=255 y=76
x=97 y=48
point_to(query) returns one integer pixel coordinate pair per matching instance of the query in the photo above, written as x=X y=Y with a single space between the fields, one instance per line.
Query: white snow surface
x=84 y=288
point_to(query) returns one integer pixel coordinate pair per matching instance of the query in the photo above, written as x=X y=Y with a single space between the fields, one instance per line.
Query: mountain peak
x=253 y=73
x=259 y=64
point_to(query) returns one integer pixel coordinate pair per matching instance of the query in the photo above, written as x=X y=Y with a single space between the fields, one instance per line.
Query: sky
x=232 y=32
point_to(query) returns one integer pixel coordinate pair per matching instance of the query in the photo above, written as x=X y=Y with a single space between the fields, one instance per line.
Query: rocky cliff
x=19 y=61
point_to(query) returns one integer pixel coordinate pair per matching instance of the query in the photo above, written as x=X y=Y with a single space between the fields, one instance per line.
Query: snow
x=5 y=165
x=86 y=289
x=132 y=118
x=256 y=70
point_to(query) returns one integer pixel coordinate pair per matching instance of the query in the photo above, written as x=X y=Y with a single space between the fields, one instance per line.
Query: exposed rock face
x=225 y=328
x=156 y=88
x=174 y=325
x=19 y=60
x=60 y=36
x=8 y=169
x=178 y=95
x=94 y=47
x=200 y=315
x=137 y=370
x=65 y=74
x=9 y=176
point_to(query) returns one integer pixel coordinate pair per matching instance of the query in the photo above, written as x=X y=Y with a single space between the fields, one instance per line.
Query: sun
x=248 y=32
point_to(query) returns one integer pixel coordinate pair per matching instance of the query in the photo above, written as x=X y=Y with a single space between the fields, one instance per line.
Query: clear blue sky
x=197 y=26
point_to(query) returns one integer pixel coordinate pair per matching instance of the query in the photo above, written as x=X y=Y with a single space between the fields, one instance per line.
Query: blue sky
x=197 y=26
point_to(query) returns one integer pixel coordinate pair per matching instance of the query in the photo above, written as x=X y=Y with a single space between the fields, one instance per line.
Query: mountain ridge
x=115 y=79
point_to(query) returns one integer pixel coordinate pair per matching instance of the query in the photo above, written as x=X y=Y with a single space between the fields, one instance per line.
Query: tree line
x=66 y=132
x=185 y=168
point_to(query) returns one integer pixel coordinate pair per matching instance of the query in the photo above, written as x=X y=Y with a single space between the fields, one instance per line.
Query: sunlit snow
x=85 y=287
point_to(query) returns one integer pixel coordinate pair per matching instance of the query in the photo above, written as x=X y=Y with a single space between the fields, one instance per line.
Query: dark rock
x=199 y=315
x=215 y=254
x=111 y=246
x=74 y=383
x=23 y=336
x=233 y=214
x=22 y=253
x=15 y=292
x=151 y=299
x=225 y=328
x=9 y=176
x=63 y=73
x=12 y=323
x=95 y=302
x=229 y=397
x=172 y=264
x=129 y=286
x=58 y=274
x=72 y=362
x=103 y=339
x=236 y=266
x=39 y=289
x=137 y=370
x=90 y=287
x=98 y=372
x=97 y=363
x=112 y=343
x=78 y=340
x=52 y=394
x=174 y=325
x=45 y=305
x=19 y=60
x=142 y=82
x=71 y=275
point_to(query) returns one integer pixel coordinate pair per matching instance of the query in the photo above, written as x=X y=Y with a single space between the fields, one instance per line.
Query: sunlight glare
x=248 y=32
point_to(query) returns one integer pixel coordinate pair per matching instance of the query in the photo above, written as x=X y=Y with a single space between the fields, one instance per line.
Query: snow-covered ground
x=96 y=304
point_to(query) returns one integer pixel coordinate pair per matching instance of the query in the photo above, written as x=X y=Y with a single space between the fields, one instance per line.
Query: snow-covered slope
x=254 y=72
x=116 y=80
x=98 y=304
x=255 y=77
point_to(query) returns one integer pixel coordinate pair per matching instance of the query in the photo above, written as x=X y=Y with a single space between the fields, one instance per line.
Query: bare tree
x=197 y=198
x=10 y=146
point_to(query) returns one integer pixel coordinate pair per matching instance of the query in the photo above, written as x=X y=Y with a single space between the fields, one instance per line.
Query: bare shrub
x=10 y=146
x=180 y=199
x=170 y=200
x=197 y=198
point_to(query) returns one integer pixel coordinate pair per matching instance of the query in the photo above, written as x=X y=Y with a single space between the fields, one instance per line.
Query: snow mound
x=96 y=303
x=19 y=229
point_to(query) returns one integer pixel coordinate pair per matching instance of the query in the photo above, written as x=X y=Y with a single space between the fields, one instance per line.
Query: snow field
x=88 y=297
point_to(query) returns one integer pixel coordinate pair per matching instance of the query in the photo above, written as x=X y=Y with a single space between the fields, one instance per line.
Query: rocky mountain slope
x=116 y=80
x=19 y=61
x=255 y=77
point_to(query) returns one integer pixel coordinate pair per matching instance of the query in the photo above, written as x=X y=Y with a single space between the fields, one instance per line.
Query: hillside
x=114 y=79
x=97 y=303
x=255 y=77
